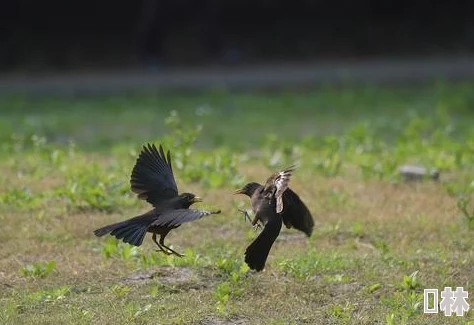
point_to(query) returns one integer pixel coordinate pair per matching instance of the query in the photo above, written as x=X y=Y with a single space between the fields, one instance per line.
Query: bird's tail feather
x=129 y=231
x=257 y=252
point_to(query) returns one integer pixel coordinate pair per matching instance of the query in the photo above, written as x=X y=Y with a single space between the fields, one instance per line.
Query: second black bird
x=274 y=204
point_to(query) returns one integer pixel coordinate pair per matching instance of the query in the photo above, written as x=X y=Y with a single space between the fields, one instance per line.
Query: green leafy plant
x=330 y=158
x=120 y=290
x=341 y=312
x=38 y=269
x=50 y=295
x=22 y=198
x=153 y=259
x=403 y=305
x=374 y=287
x=113 y=248
x=337 y=278
x=392 y=319
x=410 y=282
x=221 y=295
x=135 y=310
x=233 y=268
x=463 y=204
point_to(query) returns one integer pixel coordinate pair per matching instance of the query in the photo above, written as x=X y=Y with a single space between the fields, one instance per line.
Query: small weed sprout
x=51 y=295
x=113 y=248
x=463 y=204
x=331 y=158
x=120 y=290
x=392 y=319
x=221 y=295
x=134 y=310
x=39 y=269
x=410 y=282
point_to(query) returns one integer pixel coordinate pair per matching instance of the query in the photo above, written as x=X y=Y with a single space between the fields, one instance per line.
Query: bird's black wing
x=180 y=216
x=295 y=213
x=257 y=252
x=152 y=176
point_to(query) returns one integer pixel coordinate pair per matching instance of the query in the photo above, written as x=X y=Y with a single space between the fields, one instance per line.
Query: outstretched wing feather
x=180 y=216
x=152 y=177
x=296 y=214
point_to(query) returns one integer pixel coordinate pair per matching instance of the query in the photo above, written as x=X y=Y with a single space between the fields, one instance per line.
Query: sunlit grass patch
x=314 y=263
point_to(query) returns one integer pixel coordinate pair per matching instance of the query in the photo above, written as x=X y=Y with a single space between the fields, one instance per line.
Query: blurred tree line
x=91 y=34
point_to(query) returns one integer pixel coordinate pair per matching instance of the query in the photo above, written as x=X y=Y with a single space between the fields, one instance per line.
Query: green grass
x=378 y=242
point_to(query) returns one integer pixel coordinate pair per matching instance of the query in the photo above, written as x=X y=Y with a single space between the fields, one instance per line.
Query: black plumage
x=152 y=180
x=274 y=204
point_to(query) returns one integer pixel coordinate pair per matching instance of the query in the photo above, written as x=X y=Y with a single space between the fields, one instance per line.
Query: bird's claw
x=169 y=252
x=163 y=251
x=257 y=226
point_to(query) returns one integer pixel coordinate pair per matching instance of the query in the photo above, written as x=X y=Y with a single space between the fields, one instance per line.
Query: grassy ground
x=377 y=243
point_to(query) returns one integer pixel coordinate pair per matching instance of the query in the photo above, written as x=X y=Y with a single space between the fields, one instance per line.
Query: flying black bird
x=274 y=204
x=152 y=180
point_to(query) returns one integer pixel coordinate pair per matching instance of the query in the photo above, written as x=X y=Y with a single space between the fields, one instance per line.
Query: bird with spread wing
x=274 y=204
x=152 y=180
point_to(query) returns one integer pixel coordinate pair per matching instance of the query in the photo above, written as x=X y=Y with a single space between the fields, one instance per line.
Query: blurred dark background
x=65 y=35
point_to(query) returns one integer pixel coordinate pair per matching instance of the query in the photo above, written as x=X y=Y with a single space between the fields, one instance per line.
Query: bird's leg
x=161 y=249
x=254 y=222
x=257 y=226
x=162 y=243
x=246 y=215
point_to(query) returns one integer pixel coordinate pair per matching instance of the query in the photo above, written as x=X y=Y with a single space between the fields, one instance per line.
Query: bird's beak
x=197 y=199
x=239 y=191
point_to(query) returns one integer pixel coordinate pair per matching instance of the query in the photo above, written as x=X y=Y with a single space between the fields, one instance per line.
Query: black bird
x=152 y=180
x=273 y=204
